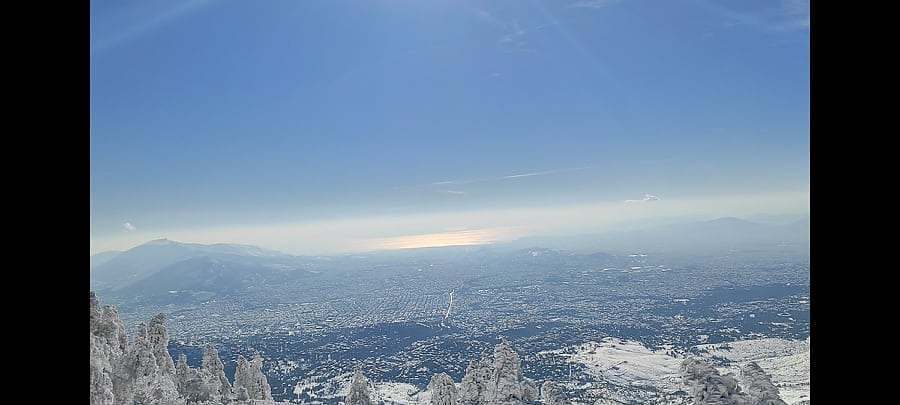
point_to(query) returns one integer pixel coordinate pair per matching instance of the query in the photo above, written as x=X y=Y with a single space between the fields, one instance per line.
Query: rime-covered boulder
x=759 y=386
x=212 y=365
x=497 y=379
x=473 y=387
x=358 y=392
x=443 y=390
x=141 y=372
x=242 y=394
x=508 y=385
x=262 y=390
x=197 y=386
x=551 y=394
x=153 y=379
x=101 y=373
x=183 y=373
x=709 y=387
x=112 y=380
x=108 y=347
x=107 y=327
x=158 y=339
x=249 y=375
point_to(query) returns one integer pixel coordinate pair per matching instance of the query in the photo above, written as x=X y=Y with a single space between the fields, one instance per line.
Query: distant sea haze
x=478 y=226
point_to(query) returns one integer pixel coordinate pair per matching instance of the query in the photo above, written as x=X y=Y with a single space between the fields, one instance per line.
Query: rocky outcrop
x=102 y=390
x=198 y=385
x=106 y=326
x=759 y=386
x=497 y=379
x=551 y=394
x=158 y=340
x=147 y=369
x=249 y=376
x=358 y=392
x=443 y=390
x=108 y=347
x=473 y=387
x=212 y=365
x=142 y=372
x=709 y=387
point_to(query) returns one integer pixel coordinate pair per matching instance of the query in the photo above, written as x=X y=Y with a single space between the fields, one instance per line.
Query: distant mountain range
x=103 y=257
x=698 y=237
x=162 y=265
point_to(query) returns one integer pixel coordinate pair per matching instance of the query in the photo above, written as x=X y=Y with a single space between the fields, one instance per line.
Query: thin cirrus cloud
x=797 y=11
x=482 y=226
x=592 y=3
x=791 y=15
x=166 y=13
x=513 y=38
x=511 y=176
x=452 y=192
x=644 y=199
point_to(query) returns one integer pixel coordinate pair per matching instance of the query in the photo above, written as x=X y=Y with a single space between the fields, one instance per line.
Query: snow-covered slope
x=629 y=371
x=629 y=363
x=787 y=361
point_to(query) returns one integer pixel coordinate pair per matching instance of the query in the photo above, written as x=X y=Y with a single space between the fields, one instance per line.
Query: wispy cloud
x=511 y=176
x=129 y=227
x=452 y=192
x=789 y=15
x=532 y=174
x=513 y=38
x=797 y=12
x=165 y=13
x=489 y=18
x=592 y=3
x=645 y=198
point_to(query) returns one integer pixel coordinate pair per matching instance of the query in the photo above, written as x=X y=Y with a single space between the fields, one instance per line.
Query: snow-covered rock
x=358 y=392
x=212 y=365
x=142 y=372
x=759 y=385
x=552 y=395
x=785 y=361
x=151 y=376
x=443 y=390
x=710 y=387
x=627 y=371
x=497 y=380
x=249 y=375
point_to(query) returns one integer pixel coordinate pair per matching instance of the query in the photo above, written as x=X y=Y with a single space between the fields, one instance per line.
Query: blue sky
x=215 y=120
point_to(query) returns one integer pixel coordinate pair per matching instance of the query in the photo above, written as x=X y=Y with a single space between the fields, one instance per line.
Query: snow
x=787 y=361
x=630 y=364
x=400 y=393
x=627 y=371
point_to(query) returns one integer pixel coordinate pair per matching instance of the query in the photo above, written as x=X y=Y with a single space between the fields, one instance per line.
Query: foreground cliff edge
x=142 y=372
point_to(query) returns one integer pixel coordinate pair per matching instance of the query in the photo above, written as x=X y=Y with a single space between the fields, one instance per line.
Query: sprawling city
x=450 y=202
x=401 y=317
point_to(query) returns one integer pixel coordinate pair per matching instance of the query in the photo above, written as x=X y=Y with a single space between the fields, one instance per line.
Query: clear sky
x=316 y=126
